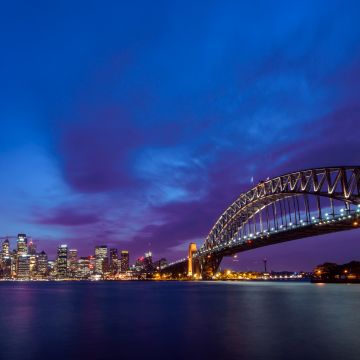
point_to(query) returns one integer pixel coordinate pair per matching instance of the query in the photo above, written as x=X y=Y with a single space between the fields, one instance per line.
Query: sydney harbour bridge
x=297 y=205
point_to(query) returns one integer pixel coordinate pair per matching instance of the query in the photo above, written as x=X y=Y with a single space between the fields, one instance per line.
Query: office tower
x=13 y=256
x=5 y=251
x=33 y=264
x=101 y=259
x=42 y=264
x=148 y=263
x=73 y=262
x=22 y=248
x=114 y=261
x=62 y=259
x=31 y=248
x=23 y=268
x=83 y=268
x=124 y=261
x=6 y=267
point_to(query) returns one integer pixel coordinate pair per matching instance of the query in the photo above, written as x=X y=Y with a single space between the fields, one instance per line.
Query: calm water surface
x=179 y=320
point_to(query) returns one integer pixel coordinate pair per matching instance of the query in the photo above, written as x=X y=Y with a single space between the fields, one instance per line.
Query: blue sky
x=136 y=123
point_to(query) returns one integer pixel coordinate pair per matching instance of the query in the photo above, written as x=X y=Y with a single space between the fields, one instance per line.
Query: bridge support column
x=191 y=260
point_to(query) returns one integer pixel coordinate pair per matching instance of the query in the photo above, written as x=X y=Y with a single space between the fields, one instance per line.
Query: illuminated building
x=114 y=261
x=6 y=267
x=33 y=267
x=124 y=261
x=73 y=262
x=83 y=268
x=62 y=259
x=42 y=264
x=148 y=263
x=22 y=248
x=32 y=248
x=23 y=268
x=101 y=259
x=52 y=268
x=5 y=248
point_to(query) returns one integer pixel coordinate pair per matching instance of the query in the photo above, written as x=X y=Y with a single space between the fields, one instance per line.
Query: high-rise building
x=148 y=263
x=23 y=268
x=83 y=268
x=6 y=267
x=42 y=264
x=33 y=263
x=22 y=248
x=62 y=259
x=73 y=262
x=5 y=250
x=114 y=261
x=124 y=261
x=31 y=248
x=101 y=259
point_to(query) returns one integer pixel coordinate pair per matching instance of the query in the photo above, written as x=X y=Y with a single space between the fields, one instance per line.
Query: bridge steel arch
x=292 y=206
x=335 y=183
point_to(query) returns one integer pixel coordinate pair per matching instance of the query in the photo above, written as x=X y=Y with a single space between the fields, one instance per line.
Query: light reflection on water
x=178 y=320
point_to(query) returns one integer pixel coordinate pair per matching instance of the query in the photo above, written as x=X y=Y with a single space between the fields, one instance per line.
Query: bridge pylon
x=191 y=261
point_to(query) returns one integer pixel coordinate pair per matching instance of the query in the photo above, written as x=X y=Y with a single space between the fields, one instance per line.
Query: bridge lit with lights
x=297 y=205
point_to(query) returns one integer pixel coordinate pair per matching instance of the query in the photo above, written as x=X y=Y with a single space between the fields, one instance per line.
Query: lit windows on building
x=124 y=261
x=62 y=261
x=101 y=259
x=114 y=261
x=22 y=247
x=73 y=262
x=23 y=268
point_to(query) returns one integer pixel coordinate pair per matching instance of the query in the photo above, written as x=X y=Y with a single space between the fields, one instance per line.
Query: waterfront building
x=32 y=248
x=124 y=261
x=62 y=260
x=42 y=264
x=84 y=268
x=5 y=250
x=23 y=268
x=6 y=267
x=101 y=259
x=33 y=262
x=148 y=263
x=51 y=265
x=114 y=261
x=22 y=248
x=73 y=262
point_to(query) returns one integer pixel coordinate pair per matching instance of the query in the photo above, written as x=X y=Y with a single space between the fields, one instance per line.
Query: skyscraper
x=32 y=248
x=62 y=259
x=148 y=263
x=124 y=261
x=23 y=269
x=101 y=259
x=22 y=248
x=5 y=251
x=42 y=264
x=84 y=268
x=114 y=261
x=73 y=262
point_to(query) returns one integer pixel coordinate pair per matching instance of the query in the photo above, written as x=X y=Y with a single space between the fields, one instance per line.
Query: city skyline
x=138 y=133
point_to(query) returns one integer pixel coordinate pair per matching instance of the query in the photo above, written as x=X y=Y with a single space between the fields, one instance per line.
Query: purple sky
x=136 y=124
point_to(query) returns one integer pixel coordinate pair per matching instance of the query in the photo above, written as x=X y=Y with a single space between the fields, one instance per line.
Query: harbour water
x=179 y=320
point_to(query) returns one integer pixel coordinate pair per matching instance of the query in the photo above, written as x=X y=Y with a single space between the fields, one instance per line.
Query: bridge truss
x=292 y=206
